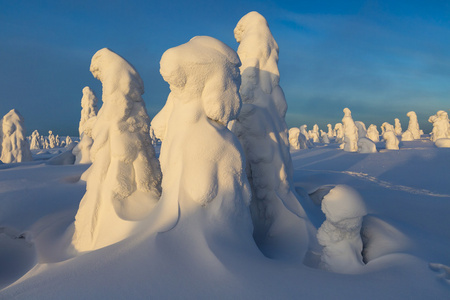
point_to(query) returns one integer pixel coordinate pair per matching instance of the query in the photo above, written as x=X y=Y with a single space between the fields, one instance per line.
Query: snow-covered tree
x=124 y=181
x=263 y=133
x=51 y=140
x=331 y=132
x=68 y=140
x=340 y=233
x=294 y=141
x=372 y=133
x=413 y=131
x=57 y=141
x=35 y=141
x=339 y=129
x=350 y=143
x=324 y=137
x=89 y=112
x=441 y=126
x=398 y=127
x=15 y=146
x=204 y=187
x=386 y=127
x=89 y=108
x=362 y=131
x=304 y=131
x=391 y=140
x=315 y=135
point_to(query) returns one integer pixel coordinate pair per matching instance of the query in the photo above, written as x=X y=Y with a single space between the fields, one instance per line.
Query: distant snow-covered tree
x=89 y=112
x=15 y=146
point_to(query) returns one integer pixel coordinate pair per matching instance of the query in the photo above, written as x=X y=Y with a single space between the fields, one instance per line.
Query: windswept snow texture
x=263 y=133
x=124 y=182
x=88 y=117
x=15 y=146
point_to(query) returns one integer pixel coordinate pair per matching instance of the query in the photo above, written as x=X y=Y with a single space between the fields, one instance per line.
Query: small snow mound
x=340 y=233
x=442 y=143
x=366 y=145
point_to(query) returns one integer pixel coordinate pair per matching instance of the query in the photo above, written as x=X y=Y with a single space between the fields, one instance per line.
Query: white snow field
x=406 y=194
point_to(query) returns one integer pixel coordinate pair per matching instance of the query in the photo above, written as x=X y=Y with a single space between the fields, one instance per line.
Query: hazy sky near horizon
x=381 y=59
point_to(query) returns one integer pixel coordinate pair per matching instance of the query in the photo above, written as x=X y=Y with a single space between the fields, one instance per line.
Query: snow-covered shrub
x=398 y=127
x=35 y=141
x=262 y=131
x=391 y=140
x=15 y=146
x=89 y=112
x=413 y=131
x=350 y=142
x=372 y=133
x=124 y=181
x=340 y=233
x=366 y=145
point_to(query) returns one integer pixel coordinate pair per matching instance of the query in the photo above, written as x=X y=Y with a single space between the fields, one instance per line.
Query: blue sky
x=379 y=58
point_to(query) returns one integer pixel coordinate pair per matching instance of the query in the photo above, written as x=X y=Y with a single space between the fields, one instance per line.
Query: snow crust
x=15 y=146
x=124 y=181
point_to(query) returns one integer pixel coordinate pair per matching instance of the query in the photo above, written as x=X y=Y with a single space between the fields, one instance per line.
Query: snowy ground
x=407 y=194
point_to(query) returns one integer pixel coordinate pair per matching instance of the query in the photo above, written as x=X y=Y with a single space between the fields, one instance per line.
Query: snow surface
x=406 y=194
